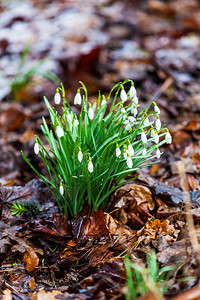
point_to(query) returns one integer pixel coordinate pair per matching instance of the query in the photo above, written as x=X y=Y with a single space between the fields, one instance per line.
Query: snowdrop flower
x=80 y=155
x=61 y=188
x=144 y=151
x=129 y=162
x=135 y=100
x=132 y=92
x=130 y=150
x=125 y=155
x=134 y=110
x=152 y=132
x=156 y=108
x=69 y=118
x=78 y=98
x=36 y=148
x=90 y=166
x=57 y=98
x=90 y=112
x=118 y=151
x=156 y=138
x=123 y=111
x=168 y=138
x=146 y=121
x=131 y=119
x=103 y=102
x=143 y=137
x=128 y=127
x=123 y=95
x=59 y=131
x=158 y=153
x=76 y=122
x=158 y=124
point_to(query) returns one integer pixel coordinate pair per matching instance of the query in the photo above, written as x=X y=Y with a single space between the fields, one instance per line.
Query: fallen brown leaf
x=30 y=260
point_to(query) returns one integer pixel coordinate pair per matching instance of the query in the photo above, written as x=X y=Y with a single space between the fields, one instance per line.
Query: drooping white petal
x=36 y=148
x=130 y=150
x=80 y=155
x=61 y=188
x=118 y=152
x=90 y=166
x=168 y=138
x=158 y=124
x=131 y=119
x=128 y=126
x=123 y=95
x=103 y=102
x=78 y=98
x=129 y=162
x=57 y=98
x=123 y=111
x=156 y=138
x=158 y=153
x=146 y=121
x=59 y=131
x=90 y=113
x=125 y=155
x=156 y=109
x=76 y=122
x=143 y=137
x=134 y=110
x=132 y=92
x=144 y=151
x=69 y=118
x=135 y=100
x=152 y=132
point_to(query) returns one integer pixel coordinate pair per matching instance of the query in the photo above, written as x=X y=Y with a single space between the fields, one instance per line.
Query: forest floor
x=154 y=43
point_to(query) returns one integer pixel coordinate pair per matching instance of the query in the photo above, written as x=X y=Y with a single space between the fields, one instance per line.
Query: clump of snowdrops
x=90 y=155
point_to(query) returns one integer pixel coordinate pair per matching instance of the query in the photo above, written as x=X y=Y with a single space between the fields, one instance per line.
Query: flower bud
x=123 y=95
x=132 y=92
x=57 y=98
x=129 y=162
x=143 y=137
x=168 y=138
x=118 y=151
x=90 y=113
x=158 y=153
x=78 y=98
x=36 y=148
x=59 y=131
x=158 y=124
x=90 y=166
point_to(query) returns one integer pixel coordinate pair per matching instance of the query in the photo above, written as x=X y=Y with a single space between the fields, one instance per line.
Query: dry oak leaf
x=42 y=295
x=30 y=260
x=120 y=233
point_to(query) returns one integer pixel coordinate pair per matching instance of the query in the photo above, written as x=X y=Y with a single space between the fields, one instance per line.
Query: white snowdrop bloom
x=158 y=153
x=36 y=148
x=118 y=152
x=152 y=132
x=143 y=137
x=126 y=122
x=59 y=131
x=76 y=122
x=123 y=111
x=69 y=118
x=158 y=124
x=90 y=166
x=135 y=100
x=134 y=110
x=78 y=98
x=129 y=162
x=103 y=102
x=168 y=138
x=131 y=119
x=146 y=121
x=90 y=113
x=80 y=155
x=125 y=155
x=128 y=126
x=132 y=92
x=57 y=98
x=144 y=151
x=130 y=150
x=61 y=188
x=156 y=138
x=156 y=109
x=123 y=95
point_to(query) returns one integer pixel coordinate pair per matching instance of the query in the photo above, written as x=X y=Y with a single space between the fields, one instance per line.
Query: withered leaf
x=30 y=260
